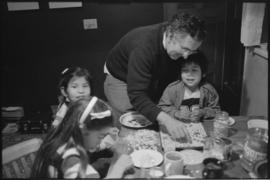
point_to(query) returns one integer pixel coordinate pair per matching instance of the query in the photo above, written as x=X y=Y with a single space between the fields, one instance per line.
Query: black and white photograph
x=132 y=89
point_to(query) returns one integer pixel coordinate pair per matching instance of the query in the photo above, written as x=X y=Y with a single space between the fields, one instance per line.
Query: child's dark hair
x=70 y=132
x=69 y=73
x=197 y=58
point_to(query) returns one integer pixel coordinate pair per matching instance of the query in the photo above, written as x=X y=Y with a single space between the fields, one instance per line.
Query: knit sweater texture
x=140 y=60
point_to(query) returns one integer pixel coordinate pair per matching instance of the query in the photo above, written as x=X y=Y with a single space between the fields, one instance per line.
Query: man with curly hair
x=145 y=61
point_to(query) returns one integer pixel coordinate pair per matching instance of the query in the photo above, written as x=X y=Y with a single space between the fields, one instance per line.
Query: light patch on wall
x=21 y=6
x=54 y=5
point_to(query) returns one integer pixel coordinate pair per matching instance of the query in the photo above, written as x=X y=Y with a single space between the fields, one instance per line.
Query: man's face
x=181 y=45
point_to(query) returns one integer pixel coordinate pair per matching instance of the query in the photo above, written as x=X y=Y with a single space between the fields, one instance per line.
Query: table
x=237 y=134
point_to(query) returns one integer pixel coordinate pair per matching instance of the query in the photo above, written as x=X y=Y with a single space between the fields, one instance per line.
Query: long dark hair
x=69 y=132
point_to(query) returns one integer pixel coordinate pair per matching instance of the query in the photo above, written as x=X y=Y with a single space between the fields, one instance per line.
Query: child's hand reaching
x=196 y=115
x=121 y=147
x=183 y=114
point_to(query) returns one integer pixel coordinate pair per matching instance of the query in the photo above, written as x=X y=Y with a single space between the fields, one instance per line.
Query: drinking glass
x=221 y=127
x=173 y=163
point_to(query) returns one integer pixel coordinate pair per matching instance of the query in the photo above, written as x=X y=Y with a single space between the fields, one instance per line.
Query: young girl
x=74 y=84
x=63 y=153
x=191 y=97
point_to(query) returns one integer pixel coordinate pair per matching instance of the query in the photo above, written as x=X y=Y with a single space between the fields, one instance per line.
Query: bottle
x=221 y=124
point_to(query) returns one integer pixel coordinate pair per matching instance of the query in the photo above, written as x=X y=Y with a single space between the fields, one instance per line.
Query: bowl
x=257 y=123
x=261 y=169
x=134 y=120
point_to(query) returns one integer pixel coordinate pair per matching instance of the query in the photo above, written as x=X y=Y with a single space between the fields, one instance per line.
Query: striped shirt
x=70 y=165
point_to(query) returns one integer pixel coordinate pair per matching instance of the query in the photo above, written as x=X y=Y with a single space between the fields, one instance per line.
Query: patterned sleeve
x=167 y=101
x=212 y=102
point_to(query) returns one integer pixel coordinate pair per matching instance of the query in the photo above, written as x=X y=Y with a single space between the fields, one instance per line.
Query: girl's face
x=181 y=46
x=77 y=88
x=191 y=75
x=92 y=138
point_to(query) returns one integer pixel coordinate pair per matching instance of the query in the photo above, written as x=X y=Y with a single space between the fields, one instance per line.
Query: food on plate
x=134 y=119
x=197 y=134
x=144 y=139
x=146 y=158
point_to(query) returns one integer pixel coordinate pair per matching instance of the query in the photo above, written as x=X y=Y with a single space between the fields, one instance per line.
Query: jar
x=255 y=146
x=221 y=126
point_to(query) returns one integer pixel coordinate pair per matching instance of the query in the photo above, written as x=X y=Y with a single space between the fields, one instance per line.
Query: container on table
x=221 y=124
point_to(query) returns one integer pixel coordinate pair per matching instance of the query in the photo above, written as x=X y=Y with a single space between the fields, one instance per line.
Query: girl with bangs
x=75 y=83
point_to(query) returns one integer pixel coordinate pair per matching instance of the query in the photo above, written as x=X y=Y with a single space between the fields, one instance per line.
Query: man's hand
x=175 y=128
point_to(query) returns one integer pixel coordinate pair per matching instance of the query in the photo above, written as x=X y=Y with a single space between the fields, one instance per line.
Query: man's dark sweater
x=140 y=60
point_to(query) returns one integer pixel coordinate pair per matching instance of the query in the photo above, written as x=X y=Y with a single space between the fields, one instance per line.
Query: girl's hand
x=196 y=115
x=124 y=162
x=118 y=168
x=121 y=147
x=183 y=114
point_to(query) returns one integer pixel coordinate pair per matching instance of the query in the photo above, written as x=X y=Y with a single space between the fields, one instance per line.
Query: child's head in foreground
x=85 y=124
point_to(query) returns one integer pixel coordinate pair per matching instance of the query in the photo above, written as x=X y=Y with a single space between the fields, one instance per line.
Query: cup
x=217 y=148
x=227 y=150
x=213 y=168
x=173 y=163
x=221 y=126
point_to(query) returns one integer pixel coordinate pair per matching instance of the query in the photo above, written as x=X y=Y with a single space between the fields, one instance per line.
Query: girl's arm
x=71 y=168
x=168 y=100
x=121 y=161
x=119 y=166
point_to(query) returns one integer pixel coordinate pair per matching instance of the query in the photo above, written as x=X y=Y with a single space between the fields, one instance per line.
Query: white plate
x=146 y=158
x=179 y=177
x=231 y=121
x=134 y=120
x=192 y=157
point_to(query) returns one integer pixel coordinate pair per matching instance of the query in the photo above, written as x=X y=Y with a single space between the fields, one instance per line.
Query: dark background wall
x=36 y=45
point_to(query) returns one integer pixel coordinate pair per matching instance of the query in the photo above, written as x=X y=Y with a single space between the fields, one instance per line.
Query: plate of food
x=143 y=139
x=134 y=120
x=146 y=158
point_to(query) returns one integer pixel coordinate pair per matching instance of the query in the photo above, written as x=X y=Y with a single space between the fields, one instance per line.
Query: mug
x=213 y=168
x=173 y=163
